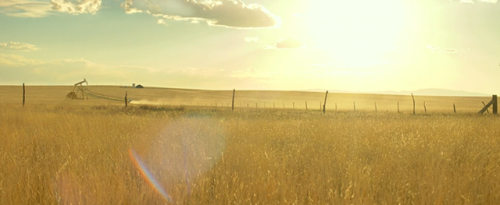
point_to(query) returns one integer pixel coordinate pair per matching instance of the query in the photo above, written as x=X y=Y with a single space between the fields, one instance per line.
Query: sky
x=349 y=45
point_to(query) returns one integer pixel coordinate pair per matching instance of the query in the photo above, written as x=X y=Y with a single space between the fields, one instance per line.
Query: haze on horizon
x=355 y=45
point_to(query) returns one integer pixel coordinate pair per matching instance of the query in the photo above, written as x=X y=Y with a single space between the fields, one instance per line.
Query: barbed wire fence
x=205 y=99
x=249 y=103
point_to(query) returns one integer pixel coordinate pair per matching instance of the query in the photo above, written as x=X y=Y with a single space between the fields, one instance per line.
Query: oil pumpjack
x=79 y=89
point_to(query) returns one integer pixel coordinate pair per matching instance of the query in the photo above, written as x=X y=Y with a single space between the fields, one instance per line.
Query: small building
x=139 y=86
x=133 y=85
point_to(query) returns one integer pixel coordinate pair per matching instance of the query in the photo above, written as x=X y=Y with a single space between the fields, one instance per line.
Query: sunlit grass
x=80 y=155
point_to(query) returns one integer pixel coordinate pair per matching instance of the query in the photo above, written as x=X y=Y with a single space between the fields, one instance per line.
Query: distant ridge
x=426 y=92
x=440 y=92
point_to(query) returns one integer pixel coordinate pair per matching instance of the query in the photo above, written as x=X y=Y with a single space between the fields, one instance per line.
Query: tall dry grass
x=80 y=155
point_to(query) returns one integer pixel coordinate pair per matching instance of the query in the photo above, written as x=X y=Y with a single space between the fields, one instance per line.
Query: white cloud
x=25 y=8
x=269 y=47
x=76 y=6
x=64 y=70
x=18 y=46
x=441 y=50
x=252 y=39
x=474 y=1
x=289 y=43
x=432 y=47
x=17 y=68
x=450 y=50
x=37 y=9
x=161 y=22
x=228 y=13
x=353 y=64
x=466 y=2
x=16 y=60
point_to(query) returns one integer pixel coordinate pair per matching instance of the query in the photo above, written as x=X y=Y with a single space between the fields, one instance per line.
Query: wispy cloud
x=15 y=67
x=76 y=6
x=466 y=2
x=353 y=64
x=37 y=9
x=289 y=43
x=17 y=60
x=451 y=50
x=25 y=8
x=473 y=1
x=441 y=50
x=161 y=22
x=432 y=47
x=62 y=69
x=229 y=13
x=252 y=39
x=18 y=46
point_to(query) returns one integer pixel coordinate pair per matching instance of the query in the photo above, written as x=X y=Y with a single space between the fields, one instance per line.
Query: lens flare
x=189 y=147
x=147 y=175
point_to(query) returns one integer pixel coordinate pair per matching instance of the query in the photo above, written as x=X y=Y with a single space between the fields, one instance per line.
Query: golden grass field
x=59 y=151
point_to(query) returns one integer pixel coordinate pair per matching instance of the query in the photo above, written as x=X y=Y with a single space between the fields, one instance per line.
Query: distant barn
x=139 y=86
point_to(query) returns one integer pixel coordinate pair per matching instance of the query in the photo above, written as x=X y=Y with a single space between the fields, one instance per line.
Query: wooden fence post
x=398 y=107
x=485 y=106
x=425 y=108
x=454 y=109
x=375 y=106
x=354 y=103
x=232 y=104
x=324 y=104
x=306 y=105
x=495 y=104
x=413 y=103
x=24 y=95
x=126 y=99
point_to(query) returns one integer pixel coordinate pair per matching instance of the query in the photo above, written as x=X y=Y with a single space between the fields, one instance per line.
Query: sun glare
x=356 y=31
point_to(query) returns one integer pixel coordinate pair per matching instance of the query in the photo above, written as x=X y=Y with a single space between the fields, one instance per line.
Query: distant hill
x=439 y=92
x=427 y=92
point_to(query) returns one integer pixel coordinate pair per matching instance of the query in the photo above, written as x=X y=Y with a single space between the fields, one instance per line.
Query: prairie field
x=175 y=146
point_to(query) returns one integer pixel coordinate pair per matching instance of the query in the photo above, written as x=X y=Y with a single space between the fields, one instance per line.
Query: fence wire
x=88 y=92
